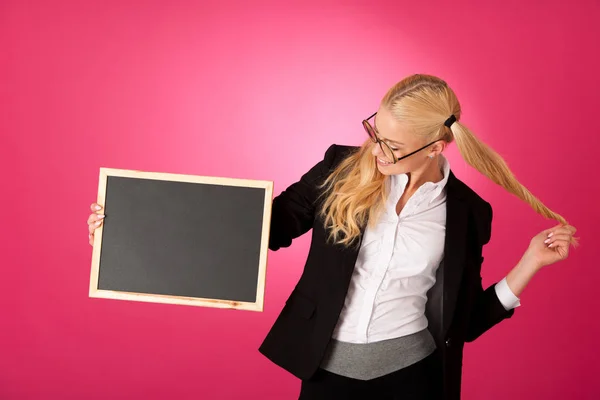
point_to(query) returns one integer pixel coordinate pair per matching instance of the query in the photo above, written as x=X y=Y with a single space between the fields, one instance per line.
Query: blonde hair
x=355 y=191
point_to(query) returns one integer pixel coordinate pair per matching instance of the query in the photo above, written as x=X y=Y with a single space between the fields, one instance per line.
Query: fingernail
x=550 y=245
x=98 y=208
x=551 y=233
x=97 y=223
x=101 y=216
x=547 y=240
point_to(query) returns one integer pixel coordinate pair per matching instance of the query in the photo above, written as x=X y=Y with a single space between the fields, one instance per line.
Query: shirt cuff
x=506 y=296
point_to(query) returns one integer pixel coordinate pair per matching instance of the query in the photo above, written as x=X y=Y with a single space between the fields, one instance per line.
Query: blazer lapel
x=454 y=249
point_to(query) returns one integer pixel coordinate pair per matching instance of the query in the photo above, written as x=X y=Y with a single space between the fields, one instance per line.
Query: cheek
x=404 y=166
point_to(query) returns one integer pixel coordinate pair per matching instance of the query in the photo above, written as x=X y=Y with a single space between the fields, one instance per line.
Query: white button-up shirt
x=397 y=264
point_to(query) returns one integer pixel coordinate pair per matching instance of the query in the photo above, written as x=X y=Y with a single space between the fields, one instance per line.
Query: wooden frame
x=168 y=299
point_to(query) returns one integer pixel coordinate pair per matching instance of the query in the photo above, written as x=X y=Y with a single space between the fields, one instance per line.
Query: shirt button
x=448 y=342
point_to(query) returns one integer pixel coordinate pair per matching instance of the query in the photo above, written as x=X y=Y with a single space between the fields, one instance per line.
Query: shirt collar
x=432 y=189
x=439 y=186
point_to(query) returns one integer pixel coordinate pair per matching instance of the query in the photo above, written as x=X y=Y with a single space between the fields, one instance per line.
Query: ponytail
x=481 y=157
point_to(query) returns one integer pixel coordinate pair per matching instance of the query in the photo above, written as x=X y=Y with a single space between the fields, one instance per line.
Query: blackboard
x=181 y=239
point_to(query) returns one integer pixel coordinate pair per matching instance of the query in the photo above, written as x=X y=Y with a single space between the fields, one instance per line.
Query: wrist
x=529 y=263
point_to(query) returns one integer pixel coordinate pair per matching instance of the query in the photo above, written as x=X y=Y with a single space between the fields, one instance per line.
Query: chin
x=389 y=170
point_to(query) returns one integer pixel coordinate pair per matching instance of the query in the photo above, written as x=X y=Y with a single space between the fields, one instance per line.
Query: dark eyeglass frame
x=373 y=135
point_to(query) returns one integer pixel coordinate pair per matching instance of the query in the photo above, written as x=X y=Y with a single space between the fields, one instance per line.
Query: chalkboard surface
x=182 y=239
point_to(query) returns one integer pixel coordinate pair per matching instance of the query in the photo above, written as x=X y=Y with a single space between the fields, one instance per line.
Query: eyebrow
x=388 y=140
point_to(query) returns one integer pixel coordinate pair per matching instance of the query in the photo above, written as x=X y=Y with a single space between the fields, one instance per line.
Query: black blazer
x=458 y=309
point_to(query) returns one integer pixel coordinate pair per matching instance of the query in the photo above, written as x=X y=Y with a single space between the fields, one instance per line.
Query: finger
x=560 y=231
x=570 y=228
x=549 y=230
x=561 y=248
x=559 y=243
x=562 y=243
x=559 y=237
x=93 y=226
x=94 y=217
x=91 y=238
x=95 y=207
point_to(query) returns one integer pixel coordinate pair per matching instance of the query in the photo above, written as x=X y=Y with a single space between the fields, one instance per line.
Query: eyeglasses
x=387 y=151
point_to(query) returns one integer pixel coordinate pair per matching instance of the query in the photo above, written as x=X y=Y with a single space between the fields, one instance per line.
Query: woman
x=391 y=289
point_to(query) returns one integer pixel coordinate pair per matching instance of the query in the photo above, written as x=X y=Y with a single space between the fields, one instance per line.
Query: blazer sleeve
x=487 y=309
x=293 y=210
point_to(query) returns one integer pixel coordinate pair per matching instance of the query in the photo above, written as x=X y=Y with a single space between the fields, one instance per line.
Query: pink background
x=259 y=92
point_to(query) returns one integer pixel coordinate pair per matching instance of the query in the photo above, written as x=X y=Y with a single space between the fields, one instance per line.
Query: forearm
x=518 y=278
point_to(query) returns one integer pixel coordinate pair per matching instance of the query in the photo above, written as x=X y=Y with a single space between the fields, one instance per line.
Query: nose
x=376 y=150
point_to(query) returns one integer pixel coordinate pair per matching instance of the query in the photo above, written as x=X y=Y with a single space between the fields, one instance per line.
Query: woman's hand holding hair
x=546 y=248
x=550 y=245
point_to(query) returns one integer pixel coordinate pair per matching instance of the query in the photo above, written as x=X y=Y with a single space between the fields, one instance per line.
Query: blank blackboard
x=182 y=239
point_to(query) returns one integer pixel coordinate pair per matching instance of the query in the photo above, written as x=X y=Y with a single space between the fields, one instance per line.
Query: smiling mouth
x=383 y=162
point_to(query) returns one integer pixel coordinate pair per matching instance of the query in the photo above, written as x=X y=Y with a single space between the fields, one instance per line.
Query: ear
x=438 y=148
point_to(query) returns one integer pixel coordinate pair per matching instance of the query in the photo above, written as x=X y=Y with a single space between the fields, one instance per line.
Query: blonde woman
x=391 y=289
